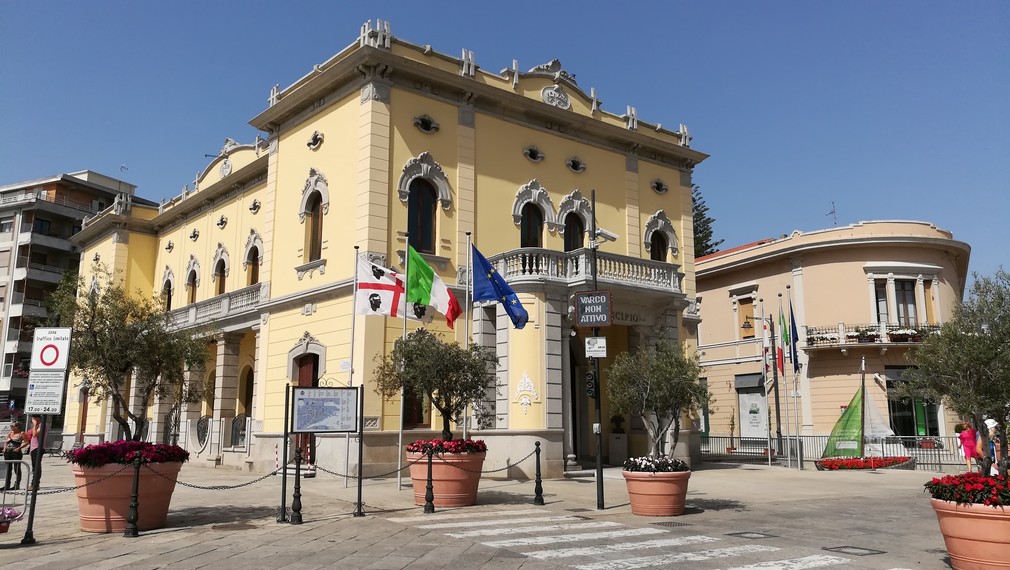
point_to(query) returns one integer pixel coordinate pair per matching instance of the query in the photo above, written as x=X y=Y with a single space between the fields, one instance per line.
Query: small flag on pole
x=425 y=287
x=489 y=285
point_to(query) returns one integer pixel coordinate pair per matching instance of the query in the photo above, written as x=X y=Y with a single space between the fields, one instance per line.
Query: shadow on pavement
x=695 y=506
x=204 y=516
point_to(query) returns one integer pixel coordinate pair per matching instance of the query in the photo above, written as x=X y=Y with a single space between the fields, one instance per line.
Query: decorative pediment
x=577 y=203
x=526 y=393
x=533 y=192
x=658 y=222
x=253 y=241
x=221 y=254
x=424 y=166
x=168 y=277
x=193 y=267
x=316 y=182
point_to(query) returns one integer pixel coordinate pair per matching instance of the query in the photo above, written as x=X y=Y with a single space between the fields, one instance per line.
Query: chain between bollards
x=538 y=486
x=296 y=500
x=429 y=492
x=132 y=516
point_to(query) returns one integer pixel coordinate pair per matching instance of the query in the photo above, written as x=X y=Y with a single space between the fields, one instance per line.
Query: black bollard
x=132 y=516
x=296 y=499
x=538 y=486
x=429 y=493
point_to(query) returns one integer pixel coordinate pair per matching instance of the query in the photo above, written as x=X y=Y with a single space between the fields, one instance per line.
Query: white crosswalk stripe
x=581 y=525
x=620 y=547
x=609 y=540
x=816 y=561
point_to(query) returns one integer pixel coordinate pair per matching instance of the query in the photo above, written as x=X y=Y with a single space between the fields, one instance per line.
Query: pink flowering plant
x=661 y=464
x=971 y=489
x=441 y=446
x=125 y=452
x=9 y=514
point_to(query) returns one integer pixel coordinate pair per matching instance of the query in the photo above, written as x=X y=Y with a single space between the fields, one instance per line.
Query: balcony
x=42 y=199
x=53 y=238
x=846 y=336
x=26 y=307
x=37 y=271
x=572 y=268
x=230 y=304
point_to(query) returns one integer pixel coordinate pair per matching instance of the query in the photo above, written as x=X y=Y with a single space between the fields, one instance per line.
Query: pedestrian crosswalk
x=587 y=544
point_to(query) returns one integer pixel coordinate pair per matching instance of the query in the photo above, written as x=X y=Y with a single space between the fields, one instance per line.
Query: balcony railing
x=884 y=333
x=43 y=197
x=219 y=307
x=573 y=267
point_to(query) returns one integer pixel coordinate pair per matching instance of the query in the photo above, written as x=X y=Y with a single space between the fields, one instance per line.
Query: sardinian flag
x=381 y=291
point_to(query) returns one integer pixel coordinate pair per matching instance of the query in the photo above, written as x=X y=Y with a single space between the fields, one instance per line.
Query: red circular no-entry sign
x=49 y=354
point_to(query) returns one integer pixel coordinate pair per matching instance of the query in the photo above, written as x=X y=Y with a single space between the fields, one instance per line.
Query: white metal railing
x=574 y=266
x=33 y=196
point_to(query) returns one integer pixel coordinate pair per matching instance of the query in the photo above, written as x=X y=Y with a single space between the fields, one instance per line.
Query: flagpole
x=775 y=376
x=795 y=354
x=862 y=407
x=764 y=379
x=406 y=274
x=350 y=373
x=466 y=315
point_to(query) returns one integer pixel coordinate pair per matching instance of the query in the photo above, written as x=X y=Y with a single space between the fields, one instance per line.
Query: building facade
x=37 y=219
x=871 y=290
x=261 y=249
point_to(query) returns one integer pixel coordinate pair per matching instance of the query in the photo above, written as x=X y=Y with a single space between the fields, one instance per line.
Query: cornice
x=251 y=176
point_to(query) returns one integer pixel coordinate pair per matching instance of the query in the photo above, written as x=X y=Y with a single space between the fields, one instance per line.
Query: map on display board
x=325 y=410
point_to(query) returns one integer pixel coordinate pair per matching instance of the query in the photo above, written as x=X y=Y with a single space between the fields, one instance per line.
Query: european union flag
x=488 y=285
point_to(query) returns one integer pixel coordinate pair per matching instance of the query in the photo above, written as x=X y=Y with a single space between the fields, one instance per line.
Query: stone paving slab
x=803 y=511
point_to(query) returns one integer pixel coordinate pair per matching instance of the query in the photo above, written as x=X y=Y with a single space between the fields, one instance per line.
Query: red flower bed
x=125 y=451
x=836 y=463
x=971 y=488
x=440 y=446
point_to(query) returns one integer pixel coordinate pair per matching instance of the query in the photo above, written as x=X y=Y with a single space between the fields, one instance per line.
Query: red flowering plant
x=839 y=463
x=971 y=489
x=441 y=446
x=125 y=452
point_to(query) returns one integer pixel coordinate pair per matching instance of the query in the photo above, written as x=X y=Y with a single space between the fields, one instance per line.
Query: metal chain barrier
x=57 y=490
x=424 y=459
x=221 y=487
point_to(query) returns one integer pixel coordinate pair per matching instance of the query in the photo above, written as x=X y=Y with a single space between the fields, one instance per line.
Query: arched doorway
x=308 y=377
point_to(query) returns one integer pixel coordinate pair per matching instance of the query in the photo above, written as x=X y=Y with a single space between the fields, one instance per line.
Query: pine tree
x=703 y=244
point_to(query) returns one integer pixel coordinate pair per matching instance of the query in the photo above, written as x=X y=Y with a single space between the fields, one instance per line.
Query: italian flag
x=424 y=286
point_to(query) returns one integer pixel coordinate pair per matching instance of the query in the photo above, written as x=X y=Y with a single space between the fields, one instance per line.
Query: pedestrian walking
x=13 y=452
x=967 y=439
x=35 y=449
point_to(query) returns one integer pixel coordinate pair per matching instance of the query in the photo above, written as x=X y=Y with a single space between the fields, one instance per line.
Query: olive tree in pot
x=658 y=384
x=451 y=377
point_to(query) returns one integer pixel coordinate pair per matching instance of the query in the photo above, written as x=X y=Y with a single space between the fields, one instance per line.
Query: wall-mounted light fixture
x=255 y=206
x=96 y=257
x=195 y=234
x=169 y=246
x=222 y=221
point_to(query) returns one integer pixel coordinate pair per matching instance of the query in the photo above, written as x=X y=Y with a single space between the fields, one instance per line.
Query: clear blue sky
x=888 y=109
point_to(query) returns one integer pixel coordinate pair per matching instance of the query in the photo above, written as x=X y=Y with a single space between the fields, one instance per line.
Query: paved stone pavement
x=788 y=518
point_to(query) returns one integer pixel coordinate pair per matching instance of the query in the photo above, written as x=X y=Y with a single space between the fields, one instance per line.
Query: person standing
x=13 y=452
x=967 y=439
x=35 y=451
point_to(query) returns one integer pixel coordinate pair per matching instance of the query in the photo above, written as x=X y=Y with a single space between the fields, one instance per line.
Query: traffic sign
x=596 y=347
x=592 y=309
x=50 y=349
x=45 y=392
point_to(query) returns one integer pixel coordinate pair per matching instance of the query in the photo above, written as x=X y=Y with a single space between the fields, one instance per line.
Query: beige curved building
x=868 y=290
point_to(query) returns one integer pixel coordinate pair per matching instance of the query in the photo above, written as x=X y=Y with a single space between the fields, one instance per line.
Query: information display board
x=45 y=392
x=324 y=410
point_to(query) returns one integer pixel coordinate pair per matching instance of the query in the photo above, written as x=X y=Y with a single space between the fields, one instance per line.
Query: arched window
x=659 y=246
x=191 y=285
x=314 y=228
x=253 y=266
x=245 y=392
x=421 y=215
x=575 y=232
x=219 y=276
x=531 y=228
x=166 y=292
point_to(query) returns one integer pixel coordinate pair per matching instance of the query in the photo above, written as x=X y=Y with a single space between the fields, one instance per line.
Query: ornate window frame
x=533 y=192
x=253 y=241
x=316 y=182
x=221 y=255
x=306 y=345
x=658 y=222
x=424 y=166
x=168 y=277
x=578 y=204
x=193 y=266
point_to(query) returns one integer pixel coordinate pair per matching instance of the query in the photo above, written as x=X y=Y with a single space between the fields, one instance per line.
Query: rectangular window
x=930 y=316
x=911 y=417
x=6 y=225
x=880 y=291
x=41 y=226
x=904 y=292
x=745 y=315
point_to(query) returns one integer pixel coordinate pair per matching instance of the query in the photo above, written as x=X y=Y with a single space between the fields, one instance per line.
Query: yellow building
x=260 y=248
x=869 y=291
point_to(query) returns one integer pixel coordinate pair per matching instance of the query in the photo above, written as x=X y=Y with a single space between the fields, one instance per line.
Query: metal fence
x=931 y=453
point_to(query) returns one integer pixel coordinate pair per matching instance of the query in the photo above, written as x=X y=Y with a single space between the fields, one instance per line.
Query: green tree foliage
x=116 y=334
x=703 y=232
x=658 y=385
x=967 y=364
x=451 y=376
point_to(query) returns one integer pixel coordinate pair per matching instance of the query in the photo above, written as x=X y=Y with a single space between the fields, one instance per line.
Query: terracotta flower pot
x=454 y=477
x=977 y=536
x=5 y=526
x=657 y=494
x=105 y=500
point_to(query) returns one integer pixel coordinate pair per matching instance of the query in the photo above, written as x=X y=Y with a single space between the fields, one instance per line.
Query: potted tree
x=966 y=365
x=450 y=377
x=123 y=339
x=657 y=384
x=732 y=431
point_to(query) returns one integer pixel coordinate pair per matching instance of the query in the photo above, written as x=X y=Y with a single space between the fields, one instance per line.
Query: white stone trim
x=424 y=166
x=533 y=192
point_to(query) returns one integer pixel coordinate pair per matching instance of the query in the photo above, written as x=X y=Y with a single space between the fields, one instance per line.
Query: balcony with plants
x=846 y=334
